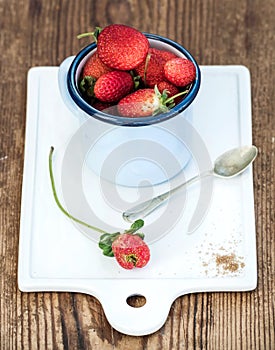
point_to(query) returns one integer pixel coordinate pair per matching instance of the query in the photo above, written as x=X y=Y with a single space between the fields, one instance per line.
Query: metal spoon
x=229 y=164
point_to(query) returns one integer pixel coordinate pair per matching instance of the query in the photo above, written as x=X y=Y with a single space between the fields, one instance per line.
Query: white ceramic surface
x=54 y=255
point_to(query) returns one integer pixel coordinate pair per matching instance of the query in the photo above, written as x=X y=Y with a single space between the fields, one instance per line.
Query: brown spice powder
x=229 y=262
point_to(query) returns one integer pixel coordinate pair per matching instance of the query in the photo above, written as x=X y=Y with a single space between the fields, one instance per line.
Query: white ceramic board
x=220 y=255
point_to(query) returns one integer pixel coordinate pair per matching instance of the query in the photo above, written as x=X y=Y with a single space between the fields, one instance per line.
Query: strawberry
x=122 y=47
x=146 y=102
x=128 y=247
x=123 y=51
x=141 y=103
x=180 y=71
x=130 y=251
x=106 y=107
x=94 y=67
x=151 y=70
x=112 y=86
x=170 y=88
x=164 y=54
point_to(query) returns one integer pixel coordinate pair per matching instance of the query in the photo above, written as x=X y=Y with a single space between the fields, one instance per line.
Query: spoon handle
x=145 y=208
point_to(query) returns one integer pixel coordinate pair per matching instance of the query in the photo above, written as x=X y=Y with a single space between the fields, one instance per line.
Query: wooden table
x=217 y=32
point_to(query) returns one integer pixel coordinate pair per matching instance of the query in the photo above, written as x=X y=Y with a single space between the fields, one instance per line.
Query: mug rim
x=128 y=121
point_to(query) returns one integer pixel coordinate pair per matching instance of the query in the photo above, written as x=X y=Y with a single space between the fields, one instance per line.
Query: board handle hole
x=136 y=300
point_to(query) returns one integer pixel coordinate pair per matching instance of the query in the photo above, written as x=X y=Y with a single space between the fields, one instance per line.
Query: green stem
x=83 y=35
x=170 y=99
x=148 y=57
x=95 y=34
x=60 y=205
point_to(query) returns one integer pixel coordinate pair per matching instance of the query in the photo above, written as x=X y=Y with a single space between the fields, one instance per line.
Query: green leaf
x=86 y=86
x=136 y=82
x=108 y=238
x=105 y=243
x=141 y=235
x=135 y=226
x=96 y=33
x=107 y=251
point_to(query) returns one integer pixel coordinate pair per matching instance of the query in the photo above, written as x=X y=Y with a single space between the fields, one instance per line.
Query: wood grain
x=40 y=32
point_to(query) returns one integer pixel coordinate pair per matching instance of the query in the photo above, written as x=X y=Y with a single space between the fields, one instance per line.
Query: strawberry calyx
x=105 y=243
x=94 y=34
x=136 y=79
x=135 y=227
x=86 y=86
x=107 y=239
x=166 y=102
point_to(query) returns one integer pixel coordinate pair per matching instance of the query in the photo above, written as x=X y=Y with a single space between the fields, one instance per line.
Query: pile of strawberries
x=127 y=77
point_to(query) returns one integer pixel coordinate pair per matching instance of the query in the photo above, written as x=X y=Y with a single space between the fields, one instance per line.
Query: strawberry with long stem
x=128 y=247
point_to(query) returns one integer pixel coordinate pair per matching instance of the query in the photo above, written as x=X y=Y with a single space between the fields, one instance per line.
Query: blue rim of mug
x=75 y=94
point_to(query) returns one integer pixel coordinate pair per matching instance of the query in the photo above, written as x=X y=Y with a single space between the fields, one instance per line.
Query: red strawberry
x=151 y=70
x=94 y=67
x=106 y=107
x=128 y=248
x=170 y=88
x=142 y=103
x=112 y=86
x=166 y=55
x=180 y=71
x=130 y=251
x=146 y=102
x=122 y=47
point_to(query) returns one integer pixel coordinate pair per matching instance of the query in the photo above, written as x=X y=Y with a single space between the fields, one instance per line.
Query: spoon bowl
x=231 y=163
x=234 y=161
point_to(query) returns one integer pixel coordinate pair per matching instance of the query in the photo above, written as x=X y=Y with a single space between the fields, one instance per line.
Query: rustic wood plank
x=37 y=33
